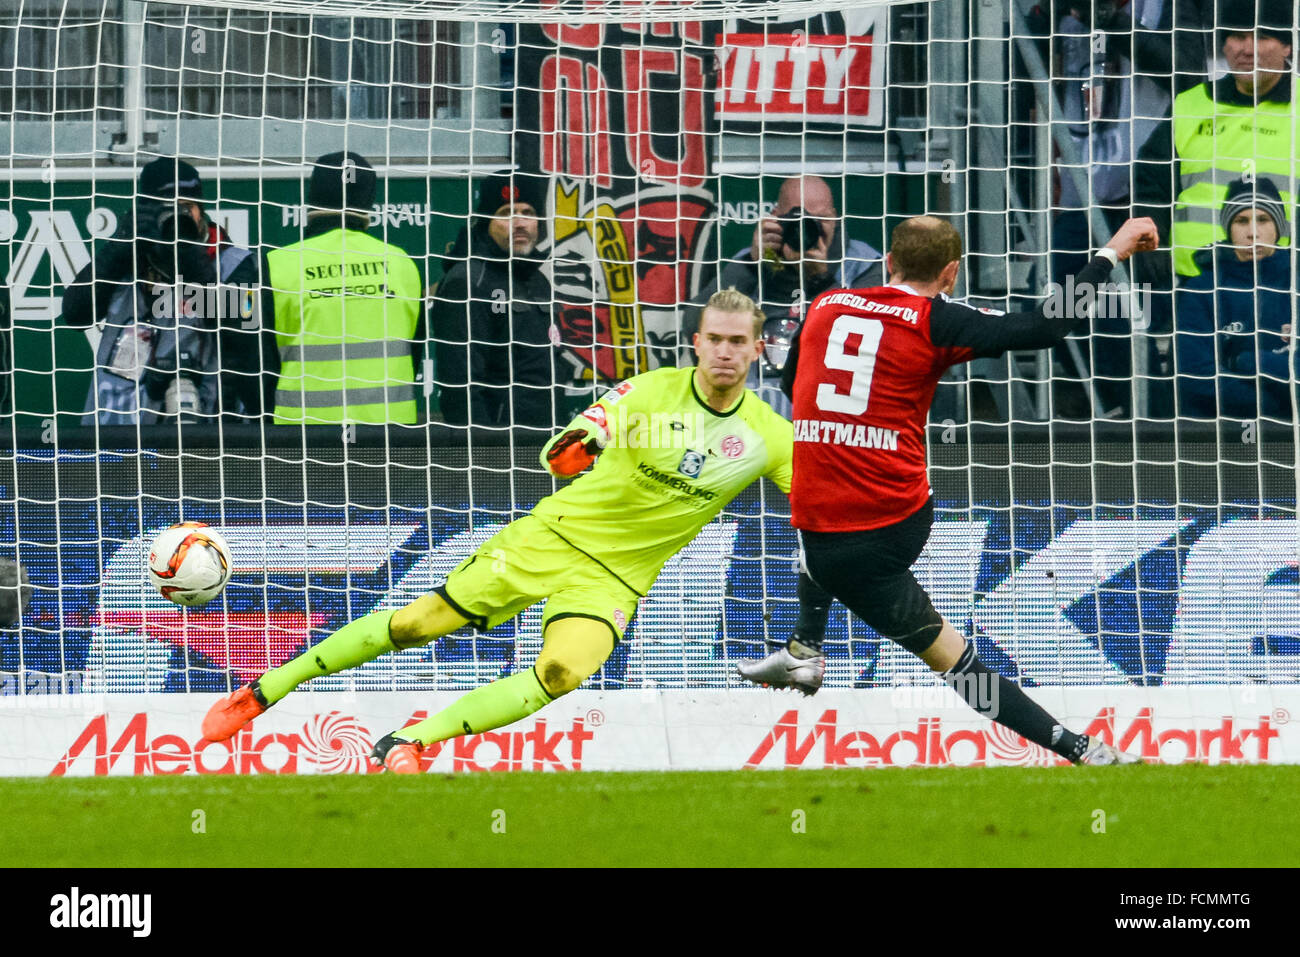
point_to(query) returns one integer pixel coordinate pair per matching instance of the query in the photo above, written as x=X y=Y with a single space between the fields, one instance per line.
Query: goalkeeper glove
x=577 y=446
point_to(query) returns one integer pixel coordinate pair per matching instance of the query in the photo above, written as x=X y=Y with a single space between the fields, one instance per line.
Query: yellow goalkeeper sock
x=354 y=644
x=492 y=706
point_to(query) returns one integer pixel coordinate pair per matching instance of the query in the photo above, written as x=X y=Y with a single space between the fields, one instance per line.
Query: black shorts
x=871 y=573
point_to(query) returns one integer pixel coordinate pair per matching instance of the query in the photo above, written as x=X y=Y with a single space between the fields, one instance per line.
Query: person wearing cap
x=492 y=314
x=1231 y=354
x=166 y=350
x=348 y=309
x=1217 y=130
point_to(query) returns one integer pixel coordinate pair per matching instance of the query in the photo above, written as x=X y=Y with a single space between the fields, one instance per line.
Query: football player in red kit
x=861 y=374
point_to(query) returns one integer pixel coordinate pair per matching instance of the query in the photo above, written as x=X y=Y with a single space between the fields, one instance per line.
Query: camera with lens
x=175 y=223
x=168 y=237
x=799 y=230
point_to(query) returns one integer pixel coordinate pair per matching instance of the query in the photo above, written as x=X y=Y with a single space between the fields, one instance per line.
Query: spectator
x=1116 y=70
x=166 y=320
x=493 y=315
x=799 y=251
x=348 y=309
x=1219 y=130
x=1233 y=315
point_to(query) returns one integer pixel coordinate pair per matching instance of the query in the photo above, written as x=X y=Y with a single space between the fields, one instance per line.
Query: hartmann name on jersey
x=845 y=433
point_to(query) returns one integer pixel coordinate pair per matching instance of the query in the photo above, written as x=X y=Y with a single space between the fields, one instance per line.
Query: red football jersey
x=866 y=376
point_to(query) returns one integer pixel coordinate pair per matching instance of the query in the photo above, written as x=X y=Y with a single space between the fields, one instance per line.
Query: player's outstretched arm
x=578 y=445
x=1048 y=324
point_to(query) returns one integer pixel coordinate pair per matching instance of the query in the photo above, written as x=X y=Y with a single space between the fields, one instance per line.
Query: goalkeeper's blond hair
x=732 y=299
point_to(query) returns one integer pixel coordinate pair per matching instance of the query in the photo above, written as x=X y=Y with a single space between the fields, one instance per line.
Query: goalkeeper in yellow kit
x=671 y=448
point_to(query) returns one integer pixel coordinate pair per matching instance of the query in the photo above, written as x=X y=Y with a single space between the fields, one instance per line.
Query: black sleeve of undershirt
x=960 y=325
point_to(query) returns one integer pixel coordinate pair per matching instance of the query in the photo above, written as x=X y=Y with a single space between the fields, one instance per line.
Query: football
x=189 y=563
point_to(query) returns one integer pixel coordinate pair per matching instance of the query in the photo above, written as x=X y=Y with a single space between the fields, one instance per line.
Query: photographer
x=177 y=304
x=799 y=251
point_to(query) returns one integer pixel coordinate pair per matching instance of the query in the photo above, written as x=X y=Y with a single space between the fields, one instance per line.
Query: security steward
x=348 y=311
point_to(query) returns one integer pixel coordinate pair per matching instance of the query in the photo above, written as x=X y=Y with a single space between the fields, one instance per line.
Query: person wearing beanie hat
x=1269 y=18
x=341 y=183
x=1256 y=42
x=157 y=358
x=348 y=309
x=500 y=191
x=493 y=313
x=511 y=204
x=1246 y=214
x=1230 y=346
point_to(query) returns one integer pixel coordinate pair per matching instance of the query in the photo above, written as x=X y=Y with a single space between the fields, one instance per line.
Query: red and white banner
x=798 y=78
x=615 y=115
x=333 y=732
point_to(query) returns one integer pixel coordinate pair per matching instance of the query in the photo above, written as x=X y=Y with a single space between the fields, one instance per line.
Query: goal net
x=1115 y=517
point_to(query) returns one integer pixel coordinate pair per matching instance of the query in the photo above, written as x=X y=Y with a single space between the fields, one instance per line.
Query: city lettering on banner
x=796 y=78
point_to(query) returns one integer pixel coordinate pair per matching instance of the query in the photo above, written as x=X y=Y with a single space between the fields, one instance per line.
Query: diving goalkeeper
x=671 y=448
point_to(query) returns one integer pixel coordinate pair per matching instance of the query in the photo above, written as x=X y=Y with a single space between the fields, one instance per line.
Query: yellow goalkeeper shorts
x=526 y=562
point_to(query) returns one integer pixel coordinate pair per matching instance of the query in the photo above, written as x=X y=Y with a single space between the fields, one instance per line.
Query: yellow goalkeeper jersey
x=671 y=465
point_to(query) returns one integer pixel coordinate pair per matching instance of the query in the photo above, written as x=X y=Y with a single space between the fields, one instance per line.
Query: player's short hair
x=922 y=246
x=732 y=299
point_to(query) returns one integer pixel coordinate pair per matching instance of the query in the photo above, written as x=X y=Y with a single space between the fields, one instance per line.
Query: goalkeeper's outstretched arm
x=578 y=445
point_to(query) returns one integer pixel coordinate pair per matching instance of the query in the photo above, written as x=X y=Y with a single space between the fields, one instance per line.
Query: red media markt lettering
x=929 y=744
x=133 y=750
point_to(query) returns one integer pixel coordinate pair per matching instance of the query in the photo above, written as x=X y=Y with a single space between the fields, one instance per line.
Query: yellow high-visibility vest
x=1216 y=144
x=346 y=309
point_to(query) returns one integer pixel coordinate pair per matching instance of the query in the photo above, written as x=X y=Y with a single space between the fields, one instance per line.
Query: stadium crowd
x=342 y=327
x=1170 y=106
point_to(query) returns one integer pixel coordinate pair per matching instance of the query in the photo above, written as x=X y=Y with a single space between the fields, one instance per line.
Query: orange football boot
x=397 y=754
x=227 y=716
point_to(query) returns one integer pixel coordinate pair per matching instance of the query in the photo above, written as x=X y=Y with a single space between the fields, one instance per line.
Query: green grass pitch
x=1176 y=816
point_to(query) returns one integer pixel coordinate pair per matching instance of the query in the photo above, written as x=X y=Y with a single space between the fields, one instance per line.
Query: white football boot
x=1099 y=752
x=781 y=669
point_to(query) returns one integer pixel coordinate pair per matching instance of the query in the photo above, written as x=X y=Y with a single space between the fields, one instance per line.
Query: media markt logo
x=336 y=744
x=1233 y=741
x=332 y=743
